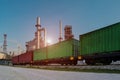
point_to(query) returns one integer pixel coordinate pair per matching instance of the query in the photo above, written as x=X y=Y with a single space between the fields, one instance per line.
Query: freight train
x=98 y=46
x=102 y=45
x=64 y=52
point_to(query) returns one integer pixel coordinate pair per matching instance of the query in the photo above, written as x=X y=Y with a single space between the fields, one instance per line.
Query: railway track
x=81 y=67
x=113 y=66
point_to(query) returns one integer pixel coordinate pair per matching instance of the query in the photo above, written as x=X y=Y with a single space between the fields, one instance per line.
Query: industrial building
x=40 y=38
x=2 y=55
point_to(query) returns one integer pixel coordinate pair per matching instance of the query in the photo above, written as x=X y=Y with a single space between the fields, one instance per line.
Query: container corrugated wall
x=100 y=41
x=62 y=49
x=39 y=54
x=15 y=59
x=26 y=57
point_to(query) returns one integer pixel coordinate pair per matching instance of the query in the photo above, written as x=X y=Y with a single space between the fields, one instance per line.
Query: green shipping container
x=59 y=50
x=39 y=54
x=103 y=40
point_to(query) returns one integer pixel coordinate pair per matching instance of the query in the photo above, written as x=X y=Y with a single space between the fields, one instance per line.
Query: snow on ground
x=13 y=73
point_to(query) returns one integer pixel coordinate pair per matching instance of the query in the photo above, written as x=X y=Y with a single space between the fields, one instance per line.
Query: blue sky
x=18 y=17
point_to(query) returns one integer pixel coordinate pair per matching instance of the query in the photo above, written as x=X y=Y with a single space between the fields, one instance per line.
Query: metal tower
x=5 y=44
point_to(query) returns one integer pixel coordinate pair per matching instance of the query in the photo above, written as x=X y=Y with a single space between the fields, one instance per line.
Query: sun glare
x=49 y=41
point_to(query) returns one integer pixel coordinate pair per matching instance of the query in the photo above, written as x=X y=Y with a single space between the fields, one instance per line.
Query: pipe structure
x=38 y=40
x=44 y=31
x=60 y=29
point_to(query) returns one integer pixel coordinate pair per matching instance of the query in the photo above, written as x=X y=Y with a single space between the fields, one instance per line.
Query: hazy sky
x=18 y=17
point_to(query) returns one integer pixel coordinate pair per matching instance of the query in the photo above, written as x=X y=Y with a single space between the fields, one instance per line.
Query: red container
x=26 y=58
x=15 y=60
x=21 y=58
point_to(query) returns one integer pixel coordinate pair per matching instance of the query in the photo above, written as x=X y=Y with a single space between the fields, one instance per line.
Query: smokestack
x=38 y=20
x=60 y=34
x=38 y=33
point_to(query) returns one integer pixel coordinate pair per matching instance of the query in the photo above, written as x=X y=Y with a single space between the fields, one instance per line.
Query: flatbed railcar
x=101 y=45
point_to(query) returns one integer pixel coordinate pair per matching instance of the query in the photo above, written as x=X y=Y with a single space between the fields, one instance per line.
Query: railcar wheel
x=107 y=62
x=90 y=62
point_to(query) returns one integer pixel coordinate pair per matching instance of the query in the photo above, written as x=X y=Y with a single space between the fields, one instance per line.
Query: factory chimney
x=5 y=44
x=41 y=42
x=38 y=21
x=38 y=26
x=60 y=28
x=40 y=37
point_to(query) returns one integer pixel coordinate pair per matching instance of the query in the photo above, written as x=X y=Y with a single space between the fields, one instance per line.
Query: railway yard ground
x=17 y=73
